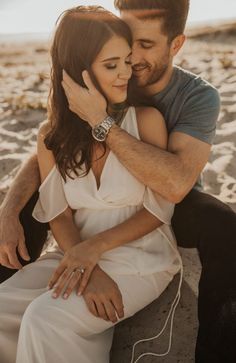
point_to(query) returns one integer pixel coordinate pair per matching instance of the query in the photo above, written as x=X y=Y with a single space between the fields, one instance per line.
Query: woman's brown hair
x=80 y=35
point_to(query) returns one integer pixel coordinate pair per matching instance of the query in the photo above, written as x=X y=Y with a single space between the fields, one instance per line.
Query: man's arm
x=26 y=182
x=170 y=173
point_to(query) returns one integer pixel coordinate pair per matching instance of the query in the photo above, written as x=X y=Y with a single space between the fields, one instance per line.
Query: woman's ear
x=177 y=44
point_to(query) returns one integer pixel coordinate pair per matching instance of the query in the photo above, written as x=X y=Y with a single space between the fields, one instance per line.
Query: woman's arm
x=63 y=227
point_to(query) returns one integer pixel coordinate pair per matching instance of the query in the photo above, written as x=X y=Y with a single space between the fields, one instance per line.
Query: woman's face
x=112 y=69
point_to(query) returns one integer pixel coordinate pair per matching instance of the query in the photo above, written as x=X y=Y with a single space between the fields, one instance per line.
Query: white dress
x=55 y=330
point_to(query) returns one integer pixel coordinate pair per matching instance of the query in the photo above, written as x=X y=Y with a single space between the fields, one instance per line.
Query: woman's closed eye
x=114 y=65
x=110 y=66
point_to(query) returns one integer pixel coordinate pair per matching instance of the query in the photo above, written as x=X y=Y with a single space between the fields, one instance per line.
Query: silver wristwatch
x=100 y=131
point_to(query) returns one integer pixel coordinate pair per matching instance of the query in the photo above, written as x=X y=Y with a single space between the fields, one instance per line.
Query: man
x=190 y=107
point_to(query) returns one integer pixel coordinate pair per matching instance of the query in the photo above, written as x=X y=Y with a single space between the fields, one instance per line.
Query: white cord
x=170 y=314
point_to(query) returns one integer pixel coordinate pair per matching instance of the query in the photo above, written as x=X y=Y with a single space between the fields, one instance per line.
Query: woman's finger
x=84 y=280
x=73 y=281
x=62 y=282
x=56 y=275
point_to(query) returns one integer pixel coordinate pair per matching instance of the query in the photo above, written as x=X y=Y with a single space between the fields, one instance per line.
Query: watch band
x=100 y=131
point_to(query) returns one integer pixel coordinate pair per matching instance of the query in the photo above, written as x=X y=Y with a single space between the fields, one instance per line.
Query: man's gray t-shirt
x=189 y=105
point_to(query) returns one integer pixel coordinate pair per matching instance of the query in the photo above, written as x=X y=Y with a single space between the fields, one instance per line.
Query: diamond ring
x=81 y=270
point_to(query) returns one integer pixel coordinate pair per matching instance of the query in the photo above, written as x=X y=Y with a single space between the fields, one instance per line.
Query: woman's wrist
x=66 y=246
x=99 y=243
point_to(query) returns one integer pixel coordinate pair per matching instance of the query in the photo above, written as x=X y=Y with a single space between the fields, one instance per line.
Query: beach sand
x=24 y=81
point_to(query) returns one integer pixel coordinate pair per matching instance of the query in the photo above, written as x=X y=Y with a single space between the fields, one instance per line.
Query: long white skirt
x=35 y=328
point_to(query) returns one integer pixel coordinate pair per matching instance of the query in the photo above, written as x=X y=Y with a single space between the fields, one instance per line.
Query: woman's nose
x=126 y=72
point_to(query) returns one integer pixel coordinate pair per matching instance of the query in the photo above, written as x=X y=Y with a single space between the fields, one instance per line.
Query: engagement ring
x=80 y=270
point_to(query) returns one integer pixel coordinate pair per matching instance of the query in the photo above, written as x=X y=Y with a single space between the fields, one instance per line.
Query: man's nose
x=136 y=56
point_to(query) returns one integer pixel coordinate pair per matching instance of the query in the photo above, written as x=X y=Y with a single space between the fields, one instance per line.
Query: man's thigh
x=199 y=217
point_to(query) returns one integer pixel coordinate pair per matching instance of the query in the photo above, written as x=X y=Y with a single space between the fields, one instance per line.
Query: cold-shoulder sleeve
x=158 y=206
x=52 y=200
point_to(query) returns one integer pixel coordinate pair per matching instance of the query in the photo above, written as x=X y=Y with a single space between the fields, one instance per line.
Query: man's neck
x=161 y=84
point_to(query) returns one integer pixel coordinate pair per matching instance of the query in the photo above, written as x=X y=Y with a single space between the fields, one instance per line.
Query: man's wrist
x=6 y=212
x=98 y=119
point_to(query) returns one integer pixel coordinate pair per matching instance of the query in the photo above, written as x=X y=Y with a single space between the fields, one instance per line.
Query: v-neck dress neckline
x=98 y=185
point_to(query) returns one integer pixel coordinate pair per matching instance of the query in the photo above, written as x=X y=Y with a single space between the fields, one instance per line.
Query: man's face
x=150 y=51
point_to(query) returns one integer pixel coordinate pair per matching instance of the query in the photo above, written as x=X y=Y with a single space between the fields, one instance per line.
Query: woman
x=98 y=212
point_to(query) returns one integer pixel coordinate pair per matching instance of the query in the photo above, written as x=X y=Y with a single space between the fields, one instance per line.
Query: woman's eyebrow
x=115 y=58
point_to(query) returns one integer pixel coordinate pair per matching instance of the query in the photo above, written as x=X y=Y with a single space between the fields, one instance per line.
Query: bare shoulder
x=44 y=128
x=152 y=127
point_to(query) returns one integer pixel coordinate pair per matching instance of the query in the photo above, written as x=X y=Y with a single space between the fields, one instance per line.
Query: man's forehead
x=143 y=14
x=142 y=25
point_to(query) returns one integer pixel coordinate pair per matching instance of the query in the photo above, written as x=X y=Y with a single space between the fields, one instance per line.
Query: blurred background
x=30 y=16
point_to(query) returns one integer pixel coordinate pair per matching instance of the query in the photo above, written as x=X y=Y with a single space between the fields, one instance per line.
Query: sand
x=24 y=81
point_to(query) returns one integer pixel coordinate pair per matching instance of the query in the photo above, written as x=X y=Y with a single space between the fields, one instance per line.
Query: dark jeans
x=199 y=221
x=206 y=223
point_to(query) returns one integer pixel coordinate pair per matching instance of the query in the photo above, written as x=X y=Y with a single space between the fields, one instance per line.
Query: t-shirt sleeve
x=199 y=114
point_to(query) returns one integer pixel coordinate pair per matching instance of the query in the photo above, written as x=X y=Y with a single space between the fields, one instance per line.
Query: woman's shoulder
x=151 y=126
x=44 y=128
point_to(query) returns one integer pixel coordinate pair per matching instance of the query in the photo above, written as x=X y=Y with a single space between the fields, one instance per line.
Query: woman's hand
x=75 y=268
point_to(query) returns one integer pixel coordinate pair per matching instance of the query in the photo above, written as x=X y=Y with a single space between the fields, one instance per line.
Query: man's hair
x=173 y=12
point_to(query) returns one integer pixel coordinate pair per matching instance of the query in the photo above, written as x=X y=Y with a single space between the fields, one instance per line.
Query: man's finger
x=23 y=250
x=4 y=261
x=14 y=260
x=70 y=85
x=91 y=306
x=68 y=80
x=118 y=304
x=88 y=82
x=110 y=310
x=101 y=310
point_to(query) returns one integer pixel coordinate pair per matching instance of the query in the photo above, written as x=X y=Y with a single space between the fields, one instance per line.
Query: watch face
x=99 y=133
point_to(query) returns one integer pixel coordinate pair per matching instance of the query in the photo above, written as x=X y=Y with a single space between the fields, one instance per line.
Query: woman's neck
x=117 y=111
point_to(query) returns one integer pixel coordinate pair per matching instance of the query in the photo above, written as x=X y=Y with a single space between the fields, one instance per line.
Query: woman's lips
x=122 y=87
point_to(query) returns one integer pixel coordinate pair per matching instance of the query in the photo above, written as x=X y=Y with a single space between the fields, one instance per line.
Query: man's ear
x=177 y=44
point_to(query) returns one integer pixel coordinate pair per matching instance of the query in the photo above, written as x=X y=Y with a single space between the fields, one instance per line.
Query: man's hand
x=87 y=103
x=103 y=297
x=11 y=238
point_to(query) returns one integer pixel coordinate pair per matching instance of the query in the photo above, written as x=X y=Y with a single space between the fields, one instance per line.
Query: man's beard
x=152 y=75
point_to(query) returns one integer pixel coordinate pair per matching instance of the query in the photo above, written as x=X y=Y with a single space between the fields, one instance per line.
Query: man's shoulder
x=196 y=86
